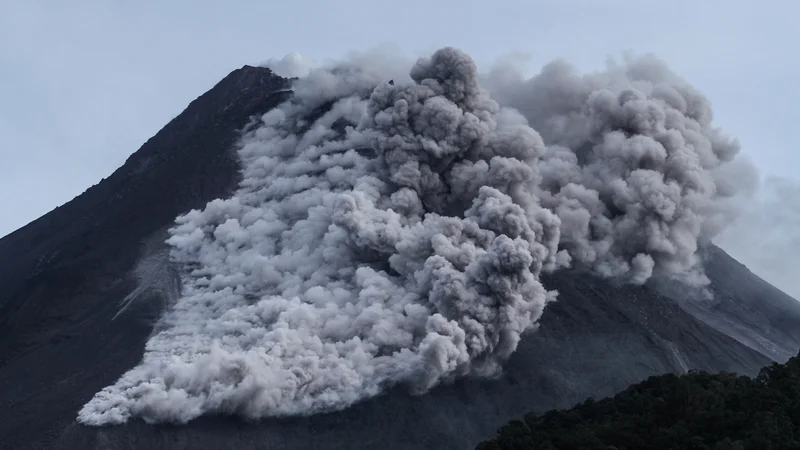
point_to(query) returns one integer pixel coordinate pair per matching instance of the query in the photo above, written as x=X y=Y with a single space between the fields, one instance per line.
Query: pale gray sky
x=84 y=84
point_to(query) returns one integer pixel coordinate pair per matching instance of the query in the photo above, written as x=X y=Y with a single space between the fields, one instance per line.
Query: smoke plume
x=393 y=232
x=632 y=166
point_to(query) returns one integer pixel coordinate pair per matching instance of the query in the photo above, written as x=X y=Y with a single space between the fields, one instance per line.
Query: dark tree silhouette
x=697 y=411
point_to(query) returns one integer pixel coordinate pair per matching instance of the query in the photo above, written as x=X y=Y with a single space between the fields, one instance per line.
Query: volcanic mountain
x=90 y=287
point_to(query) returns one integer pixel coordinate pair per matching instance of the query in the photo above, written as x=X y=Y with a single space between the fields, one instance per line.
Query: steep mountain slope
x=63 y=276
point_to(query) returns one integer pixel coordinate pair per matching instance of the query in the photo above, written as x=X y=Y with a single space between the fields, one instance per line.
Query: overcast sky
x=84 y=84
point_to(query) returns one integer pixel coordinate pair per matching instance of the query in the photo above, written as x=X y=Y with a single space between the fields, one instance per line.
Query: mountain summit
x=412 y=255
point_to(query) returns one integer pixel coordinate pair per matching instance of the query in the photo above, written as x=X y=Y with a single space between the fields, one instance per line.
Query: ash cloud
x=394 y=233
x=635 y=168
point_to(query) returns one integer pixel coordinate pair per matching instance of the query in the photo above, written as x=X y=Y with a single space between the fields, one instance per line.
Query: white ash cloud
x=393 y=233
x=403 y=248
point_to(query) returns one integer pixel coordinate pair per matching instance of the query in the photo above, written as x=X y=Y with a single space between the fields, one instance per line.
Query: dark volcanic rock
x=63 y=275
x=62 y=278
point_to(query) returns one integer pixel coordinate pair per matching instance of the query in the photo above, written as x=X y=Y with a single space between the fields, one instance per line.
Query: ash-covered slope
x=63 y=340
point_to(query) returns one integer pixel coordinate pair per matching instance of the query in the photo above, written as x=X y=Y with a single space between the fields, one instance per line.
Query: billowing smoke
x=631 y=167
x=393 y=232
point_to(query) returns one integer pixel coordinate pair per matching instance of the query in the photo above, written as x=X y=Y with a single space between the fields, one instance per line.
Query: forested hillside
x=695 y=411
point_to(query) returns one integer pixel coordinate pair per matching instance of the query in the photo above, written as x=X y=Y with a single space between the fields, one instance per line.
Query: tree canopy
x=697 y=411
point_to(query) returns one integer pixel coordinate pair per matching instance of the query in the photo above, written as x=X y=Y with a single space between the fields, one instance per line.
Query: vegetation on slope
x=696 y=411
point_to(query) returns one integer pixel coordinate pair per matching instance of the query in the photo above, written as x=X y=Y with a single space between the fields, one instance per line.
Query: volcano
x=85 y=291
